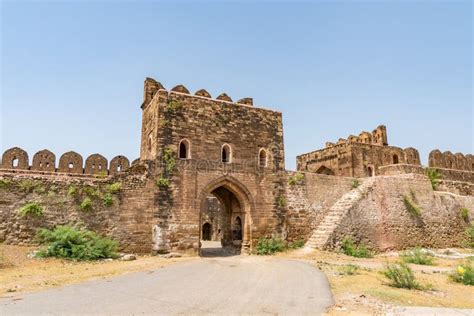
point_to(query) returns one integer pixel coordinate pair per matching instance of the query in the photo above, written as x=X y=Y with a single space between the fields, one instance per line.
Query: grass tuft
x=417 y=256
x=31 y=209
x=349 y=248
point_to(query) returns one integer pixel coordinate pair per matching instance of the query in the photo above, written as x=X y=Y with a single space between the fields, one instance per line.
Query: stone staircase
x=336 y=213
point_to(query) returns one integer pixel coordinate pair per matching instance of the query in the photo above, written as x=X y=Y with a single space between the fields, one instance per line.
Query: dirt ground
x=20 y=274
x=368 y=292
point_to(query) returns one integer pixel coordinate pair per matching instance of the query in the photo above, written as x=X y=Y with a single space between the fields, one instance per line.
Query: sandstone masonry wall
x=382 y=220
x=16 y=159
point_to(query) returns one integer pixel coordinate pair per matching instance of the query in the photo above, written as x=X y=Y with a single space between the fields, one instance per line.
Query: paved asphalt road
x=238 y=285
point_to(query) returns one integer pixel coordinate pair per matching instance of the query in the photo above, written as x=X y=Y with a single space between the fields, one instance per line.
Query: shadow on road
x=211 y=249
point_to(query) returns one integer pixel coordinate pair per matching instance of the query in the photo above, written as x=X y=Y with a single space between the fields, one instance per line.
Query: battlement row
x=70 y=162
x=377 y=137
x=448 y=160
x=152 y=86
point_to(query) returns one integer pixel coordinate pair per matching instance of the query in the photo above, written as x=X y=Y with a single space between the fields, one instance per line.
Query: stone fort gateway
x=214 y=169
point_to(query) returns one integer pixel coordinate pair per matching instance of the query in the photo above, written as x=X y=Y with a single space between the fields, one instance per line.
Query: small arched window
x=262 y=158
x=184 y=149
x=15 y=162
x=226 y=154
x=395 y=159
x=70 y=165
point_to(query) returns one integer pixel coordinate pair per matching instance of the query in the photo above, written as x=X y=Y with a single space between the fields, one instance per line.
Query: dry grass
x=20 y=274
x=369 y=285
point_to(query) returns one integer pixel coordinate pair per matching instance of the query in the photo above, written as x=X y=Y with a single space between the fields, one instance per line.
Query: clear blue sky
x=72 y=73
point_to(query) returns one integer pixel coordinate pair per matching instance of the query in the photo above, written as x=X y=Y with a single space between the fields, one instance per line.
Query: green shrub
x=114 y=188
x=108 y=200
x=349 y=269
x=401 y=276
x=417 y=256
x=169 y=160
x=293 y=180
x=102 y=174
x=434 y=177
x=470 y=235
x=281 y=201
x=163 y=182
x=464 y=212
x=174 y=106
x=411 y=207
x=5 y=183
x=31 y=208
x=349 y=248
x=27 y=185
x=72 y=190
x=91 y=192
x=355 y=183
x=268 y=246
x=463 y=274
x=296 y=244
x=86 y=204
x=69 y=243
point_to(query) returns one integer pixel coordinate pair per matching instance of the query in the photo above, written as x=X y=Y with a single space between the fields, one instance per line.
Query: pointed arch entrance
x=236 y=208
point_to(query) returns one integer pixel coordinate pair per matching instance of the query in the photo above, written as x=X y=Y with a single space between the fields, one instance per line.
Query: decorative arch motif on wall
x=15 y=158
x=118 y=164
x=44 y=160
x=71 y=162
x=96 y=164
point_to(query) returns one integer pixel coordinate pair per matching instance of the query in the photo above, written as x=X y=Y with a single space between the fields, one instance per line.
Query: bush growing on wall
x=349 y=248
x=86 y=204
x=31 y=208
x=293 y=180
x=355 y=183
x=108 y=200
x=434 y=177
x=114 y=188
x=69 y=243
x=411 y=207
x=464 y=212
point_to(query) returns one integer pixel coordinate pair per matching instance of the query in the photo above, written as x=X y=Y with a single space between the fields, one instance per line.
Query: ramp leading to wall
x=320 y=236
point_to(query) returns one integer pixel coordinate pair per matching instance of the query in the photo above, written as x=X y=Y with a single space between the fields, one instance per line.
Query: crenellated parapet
x=70 y=162
x=377 y=137
x=448 y=160
x=152 y=86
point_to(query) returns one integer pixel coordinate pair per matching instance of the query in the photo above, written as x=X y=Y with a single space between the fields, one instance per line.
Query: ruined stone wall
x=355 y=159
x=448 y=160
x=383 y=221
x=308 y=200
x=128 y=218
x=16 y=159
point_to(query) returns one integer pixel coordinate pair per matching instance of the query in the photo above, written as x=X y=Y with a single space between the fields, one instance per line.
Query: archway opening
x=226 y=154
x=370 y=172
x=184 y=149
x=222 y=224
x=206 y=231
x=395 y=159
x=325 y=170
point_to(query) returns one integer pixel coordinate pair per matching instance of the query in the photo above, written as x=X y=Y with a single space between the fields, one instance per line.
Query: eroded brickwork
x=194 y=147
x=357 y=156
